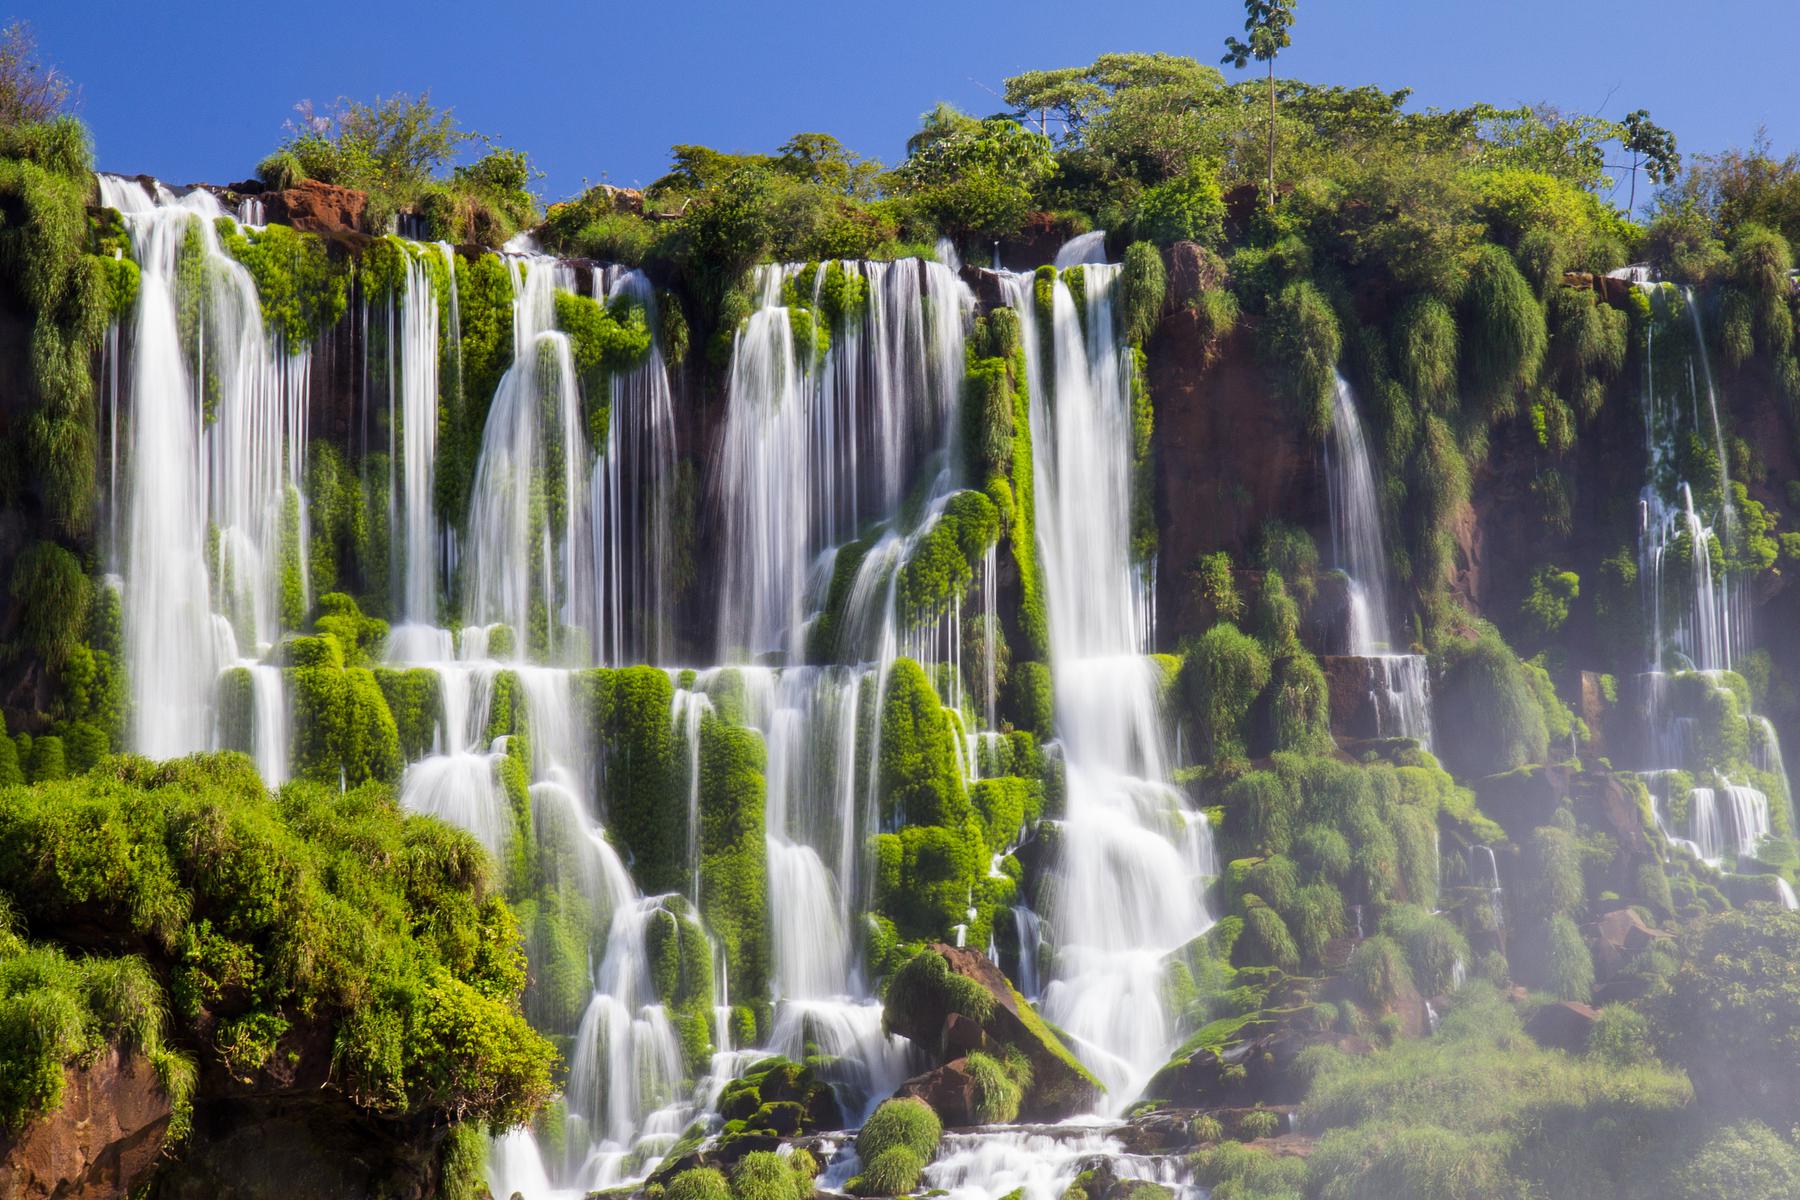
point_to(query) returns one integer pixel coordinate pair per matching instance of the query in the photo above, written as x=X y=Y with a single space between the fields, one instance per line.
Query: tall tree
x=1267 y=22
x=1653 y=148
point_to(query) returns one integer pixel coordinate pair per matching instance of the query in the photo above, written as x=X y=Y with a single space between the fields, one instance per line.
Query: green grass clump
x=1424 y=353
x=1504 y=336
x=997 y=1094
x=765 y=1175
x=1300 y=343
x=302 y=288
x=1379 y=972
x=699 y=1183
x=895 y=1144
x=1222 y=674
x=1143 y=285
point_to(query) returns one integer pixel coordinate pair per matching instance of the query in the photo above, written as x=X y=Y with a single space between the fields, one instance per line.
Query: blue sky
x=600 y=90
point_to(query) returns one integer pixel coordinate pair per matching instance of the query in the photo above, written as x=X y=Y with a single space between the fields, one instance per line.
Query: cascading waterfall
x=1134 y=856
x=813 y=451
x=530 y=550
x=413 y=412
x=1399 y=683
x=633 y=494
x=1698 y=613
x=215 y=451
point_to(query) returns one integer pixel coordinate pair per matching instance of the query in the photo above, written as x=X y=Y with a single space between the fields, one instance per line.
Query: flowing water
x=567 y=558
x=1399 y=684
x=1127 y=889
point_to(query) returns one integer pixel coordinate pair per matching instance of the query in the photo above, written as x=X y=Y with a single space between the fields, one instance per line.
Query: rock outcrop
x=314 y=207
x=951 y=1002
x=100 y=1143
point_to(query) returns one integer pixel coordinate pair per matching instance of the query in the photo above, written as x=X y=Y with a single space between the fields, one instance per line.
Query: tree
x=1651 y=147
x=1267 y=22
x=29 y=90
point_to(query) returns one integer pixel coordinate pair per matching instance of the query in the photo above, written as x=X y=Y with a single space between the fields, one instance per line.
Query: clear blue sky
x=599 y=90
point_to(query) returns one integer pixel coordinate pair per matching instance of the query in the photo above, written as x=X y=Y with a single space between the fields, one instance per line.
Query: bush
x=1424 y=353
x=1142 y=288
x=1188 y=208
x=1621 y=1036
x=698 y=1183
x=1222 y=674
x=1569 y=973
x=1547 y=602
x=893 y=1172
x=1486 y=710
x=997 y=1096
x=1378 y=971
x=1434 y=948
x=1740 y=1162
x=53 y=593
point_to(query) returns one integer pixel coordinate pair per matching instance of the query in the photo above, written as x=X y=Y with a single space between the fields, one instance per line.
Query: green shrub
x=1222 y=674
x=1142 y=289
x=1748 y=1161
x=53 y=594
x=893 y=1172
x=1265 y=807
x=1424 y=353
x=1621 y=1036
x=1434 y=947
x=1485 y=706
x=1569 y=968
x=1259 y=1122
x=1266 y=941
x=1323 y=850
x=1378 y=971
x=997 y=1096
x=1216 y=587
x=1299 y=705
x=1188 y=207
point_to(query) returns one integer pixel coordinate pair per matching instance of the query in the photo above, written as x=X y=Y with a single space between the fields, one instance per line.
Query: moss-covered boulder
x=1246 y=1056
x=944 y=983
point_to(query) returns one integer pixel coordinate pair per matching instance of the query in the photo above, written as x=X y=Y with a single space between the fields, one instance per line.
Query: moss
x=1425 y=353
x=1569 y=969
x=645 y=774
x=315 y=905
x=1033 y=699
x=893 y=1172
x=1266 y=941
x=1490 y=717
x=343 y=731
x=824 y=637
x=919 y=781
x=413 y=698
x=484 y=306
x=733 y=855
x=604 y=340
x=1299 y=705
x=47 y=761
x=1005 y=805
x=302 y=288
x=944 y=559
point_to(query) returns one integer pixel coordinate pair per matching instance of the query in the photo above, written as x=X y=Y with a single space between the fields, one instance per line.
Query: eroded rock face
x=314 y=207
x=100 y=1143
x=301 y=1148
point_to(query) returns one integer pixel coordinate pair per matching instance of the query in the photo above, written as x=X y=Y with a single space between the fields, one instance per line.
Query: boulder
x=314 y=207
x=948 y=997
x=1617 y=938
x=1244 y=1061
x=1563 y=1025
x=100 y=1143
x=949 y=1090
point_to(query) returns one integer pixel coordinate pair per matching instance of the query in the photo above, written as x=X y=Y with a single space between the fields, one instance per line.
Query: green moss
x=1299 y=705
x=646 y=775
x=733 y=854
x=303 y=289
x=698 y=1183
x=823 y=639
x=604 y=340
x=1489 y=714
x=53 y=595
x=1222 y=674
x=943 y=561
x=343 y=731
x=314 y=905
x=1378 y=971
x=1425 y=353
x=1005 y=805
x=905 y=1123
x=1033 y=700
x=413 y=698
x=484 y=306
x=47 y=761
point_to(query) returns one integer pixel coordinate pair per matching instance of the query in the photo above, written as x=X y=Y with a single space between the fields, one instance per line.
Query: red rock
x=314 y=207
x=100 y=1143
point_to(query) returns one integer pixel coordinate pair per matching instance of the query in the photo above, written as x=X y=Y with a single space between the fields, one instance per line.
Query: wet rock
x=1193 y=270
x=1248 y=1065
x=1355 y=712
x=100 y=1143
x=949 y=1090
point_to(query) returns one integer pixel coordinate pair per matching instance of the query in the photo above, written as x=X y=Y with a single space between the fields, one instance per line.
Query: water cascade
x=1127 y=891
x=1399 y=684
x=214 y=454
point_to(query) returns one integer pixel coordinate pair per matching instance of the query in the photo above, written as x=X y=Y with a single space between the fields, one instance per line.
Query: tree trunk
x=1271 y=133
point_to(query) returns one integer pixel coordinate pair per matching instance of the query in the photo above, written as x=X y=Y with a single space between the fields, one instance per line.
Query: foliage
x=271 y=913
x=974 y=177
x=907 y=1123
x=1222 y=674
x=1187 y=207
x=1300 y=342
x=1490 y=717
x=31 y=92
x=1504 y=336
x=53 y=594
x=1142 y=288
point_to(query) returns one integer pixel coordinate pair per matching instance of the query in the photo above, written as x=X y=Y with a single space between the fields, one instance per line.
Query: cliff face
x=100 y=1144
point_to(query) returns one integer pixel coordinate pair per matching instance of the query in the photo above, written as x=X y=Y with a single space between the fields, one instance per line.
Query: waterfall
x=633 y=493
x=413 y=413
x=1134 y=856
x=214 y=458
x=1399 y=684
x=529 y=564
x=813 y=450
